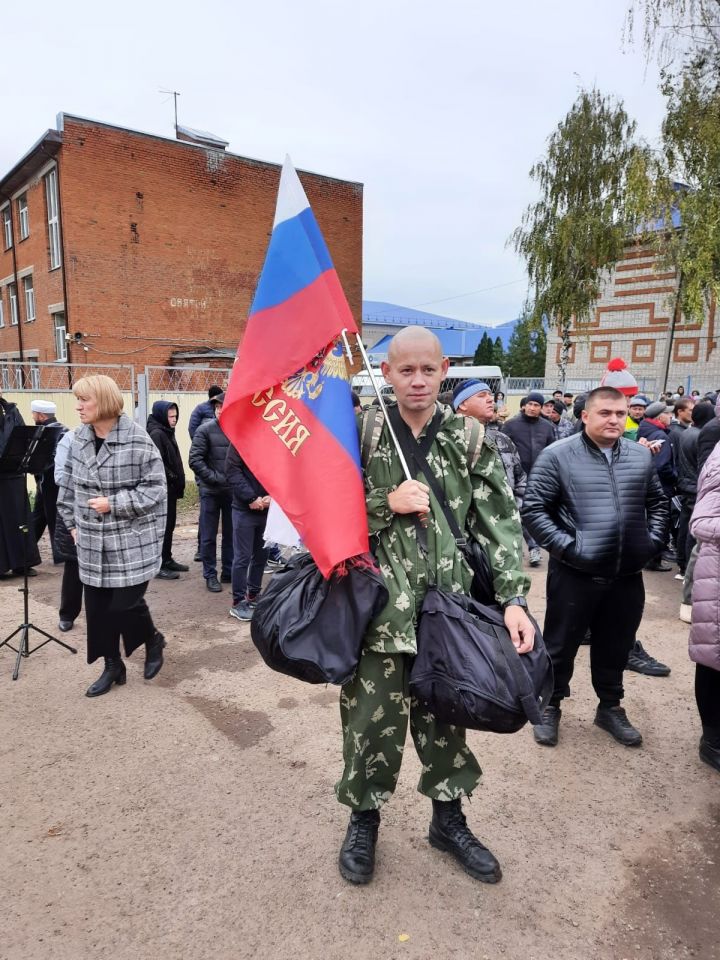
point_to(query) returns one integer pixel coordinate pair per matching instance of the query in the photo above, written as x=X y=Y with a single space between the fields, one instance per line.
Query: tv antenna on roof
x=174 y=94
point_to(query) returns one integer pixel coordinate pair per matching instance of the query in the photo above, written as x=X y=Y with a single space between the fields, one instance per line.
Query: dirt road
x=193 y=817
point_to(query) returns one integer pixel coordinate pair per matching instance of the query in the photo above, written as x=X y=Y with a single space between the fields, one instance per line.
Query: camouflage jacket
x=483 y=505
x=508 y=453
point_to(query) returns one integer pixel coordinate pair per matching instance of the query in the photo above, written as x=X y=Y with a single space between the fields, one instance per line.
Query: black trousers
x=71 y=592
x=216 y=510
x=44 y=513
x=114 y=612
x=610 y=609
x=707 y=695
x=685 y=540
x=249 y=553
x=169 y=527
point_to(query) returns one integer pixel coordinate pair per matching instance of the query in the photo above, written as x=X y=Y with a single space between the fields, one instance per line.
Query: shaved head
x=410 y=338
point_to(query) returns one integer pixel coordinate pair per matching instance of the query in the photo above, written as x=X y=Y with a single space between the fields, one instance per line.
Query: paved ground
x=193 y=817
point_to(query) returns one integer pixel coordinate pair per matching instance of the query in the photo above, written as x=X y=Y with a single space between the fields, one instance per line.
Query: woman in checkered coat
x=113 y=500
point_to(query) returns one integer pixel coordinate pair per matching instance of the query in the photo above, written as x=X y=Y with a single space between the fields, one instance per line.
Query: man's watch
x=516 y=602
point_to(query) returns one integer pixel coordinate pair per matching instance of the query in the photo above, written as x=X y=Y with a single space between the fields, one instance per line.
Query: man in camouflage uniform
x=375 y=705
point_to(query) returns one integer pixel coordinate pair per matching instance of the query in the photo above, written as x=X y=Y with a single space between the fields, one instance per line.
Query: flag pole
x=381 y=401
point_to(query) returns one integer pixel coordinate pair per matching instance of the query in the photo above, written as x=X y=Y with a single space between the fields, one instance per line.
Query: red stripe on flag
x=282 y=339
x=305 y=469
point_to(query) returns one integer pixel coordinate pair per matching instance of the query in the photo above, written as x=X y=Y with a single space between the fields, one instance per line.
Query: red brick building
x=145 y=249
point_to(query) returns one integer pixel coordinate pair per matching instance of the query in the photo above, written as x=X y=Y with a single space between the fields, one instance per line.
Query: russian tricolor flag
x=288 y=408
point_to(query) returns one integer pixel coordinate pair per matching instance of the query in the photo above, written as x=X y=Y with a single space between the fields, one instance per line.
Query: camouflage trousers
x=375 y=707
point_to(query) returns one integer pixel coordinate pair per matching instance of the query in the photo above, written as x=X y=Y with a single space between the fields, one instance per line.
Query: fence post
x=142 y=396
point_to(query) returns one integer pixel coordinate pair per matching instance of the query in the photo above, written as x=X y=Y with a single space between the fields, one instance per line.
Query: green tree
x=576 y=230
x=484 y=353
x=525 y=355
x=498 y=353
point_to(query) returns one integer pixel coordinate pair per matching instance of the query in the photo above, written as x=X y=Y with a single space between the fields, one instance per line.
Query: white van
x=492 y=376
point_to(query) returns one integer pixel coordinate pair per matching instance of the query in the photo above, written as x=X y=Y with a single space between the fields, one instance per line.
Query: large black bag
x=311 y=628
x=467 y=671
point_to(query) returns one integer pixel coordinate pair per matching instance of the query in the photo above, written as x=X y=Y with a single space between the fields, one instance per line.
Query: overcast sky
x=439 y=109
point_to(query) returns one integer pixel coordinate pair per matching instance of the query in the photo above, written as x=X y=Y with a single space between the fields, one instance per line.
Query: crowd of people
x=608 y=484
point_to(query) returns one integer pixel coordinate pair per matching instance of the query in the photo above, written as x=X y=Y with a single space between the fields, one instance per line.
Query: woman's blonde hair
x=105 y=391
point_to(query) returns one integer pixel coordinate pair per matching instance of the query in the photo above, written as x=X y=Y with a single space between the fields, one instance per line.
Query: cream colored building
x=633 y=319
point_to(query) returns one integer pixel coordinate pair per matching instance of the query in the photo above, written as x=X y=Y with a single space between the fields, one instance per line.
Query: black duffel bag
x=467 y=671
x=311 y=628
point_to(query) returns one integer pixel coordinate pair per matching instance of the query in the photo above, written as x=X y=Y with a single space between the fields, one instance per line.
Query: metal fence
x=519 y=386
x=29 y=376
x=190 y=379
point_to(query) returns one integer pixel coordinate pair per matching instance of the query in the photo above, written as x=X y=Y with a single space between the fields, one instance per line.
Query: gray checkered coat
x=123 y=547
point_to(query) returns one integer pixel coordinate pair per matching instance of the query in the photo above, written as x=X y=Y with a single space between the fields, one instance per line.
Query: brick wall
x=164 y=242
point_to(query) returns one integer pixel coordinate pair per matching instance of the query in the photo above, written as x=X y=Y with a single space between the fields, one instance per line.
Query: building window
x=7 y=227
x=34 y=376
x=51 y=194
x=2 y=311
x=29 y=298
x=12 y=291
x=60 y=331
x=23 y=217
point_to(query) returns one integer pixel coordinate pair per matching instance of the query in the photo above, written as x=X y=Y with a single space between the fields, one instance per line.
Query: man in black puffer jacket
x=207 y=461
x=250 y=503
x=161 y=427
x=595 y=503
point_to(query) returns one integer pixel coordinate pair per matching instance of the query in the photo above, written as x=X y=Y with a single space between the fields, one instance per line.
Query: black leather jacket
x=604 y=520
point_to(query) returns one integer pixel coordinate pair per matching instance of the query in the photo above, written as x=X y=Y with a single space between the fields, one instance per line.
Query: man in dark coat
x=202 y=412
x=161 y=427
x=595 y=503
x=46 y=491
x=531 y=434
x=250 y=503
x=655 y=429
x=13 y=505
x=207 y=461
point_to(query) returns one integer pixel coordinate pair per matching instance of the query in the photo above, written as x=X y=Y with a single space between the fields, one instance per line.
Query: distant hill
x=392 y=314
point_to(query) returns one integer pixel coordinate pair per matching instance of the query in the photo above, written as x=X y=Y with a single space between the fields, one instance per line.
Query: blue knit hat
x=466 y=389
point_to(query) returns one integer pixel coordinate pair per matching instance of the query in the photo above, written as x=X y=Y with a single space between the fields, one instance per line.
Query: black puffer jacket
x=604 y=520
x=163 y=436
x=530 y=435
x=687 y=464
x=207 y=457
x=244 y=485
x=709 y=437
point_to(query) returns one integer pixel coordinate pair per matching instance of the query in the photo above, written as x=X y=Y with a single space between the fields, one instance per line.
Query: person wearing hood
x=161 y=427
x=13 y=503
x=531 y=434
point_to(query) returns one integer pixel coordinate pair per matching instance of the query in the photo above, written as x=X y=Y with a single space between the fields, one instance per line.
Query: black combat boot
x=357 y=854
x=710 y=747
x=449 y=831
x=114 y=672
x=154 y=656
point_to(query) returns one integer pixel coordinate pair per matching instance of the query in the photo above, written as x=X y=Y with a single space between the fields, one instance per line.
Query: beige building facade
x=634 y=319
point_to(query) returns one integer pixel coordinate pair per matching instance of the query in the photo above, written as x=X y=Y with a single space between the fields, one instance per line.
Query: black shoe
x=449 y=832
x=710 y=754
x=19 y=572
x=165 y=574
x=154 y=656
x=65 y=625
x=213 y=585
x=114 y=672
x=226 y=578
x=357 y=854
x=615 y=721
x=546 y=732
x=658 y=566
x=640 y=661
x=174 y=565
x=198 y=557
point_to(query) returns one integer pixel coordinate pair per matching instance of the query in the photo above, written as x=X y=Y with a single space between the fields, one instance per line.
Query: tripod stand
x=28 y=450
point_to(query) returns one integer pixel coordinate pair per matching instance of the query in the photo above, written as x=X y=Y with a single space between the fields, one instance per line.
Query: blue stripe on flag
x=296 y=256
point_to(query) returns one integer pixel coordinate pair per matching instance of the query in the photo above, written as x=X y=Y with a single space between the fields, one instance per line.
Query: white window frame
x=2 y=310
x=29 y=291
x=23 y=216
x=53 y=212
x=7 y=226
x=14 y=307
x=60 y=341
